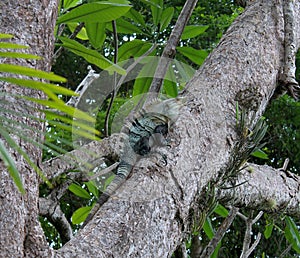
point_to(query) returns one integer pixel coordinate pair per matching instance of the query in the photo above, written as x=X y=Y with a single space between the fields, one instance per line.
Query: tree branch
x=170 y=49
x=114 y=91
x=263 y=188
x=153 y=205
x=209 y=249
x=83 y=159
x=247 y=250
x=51 y=209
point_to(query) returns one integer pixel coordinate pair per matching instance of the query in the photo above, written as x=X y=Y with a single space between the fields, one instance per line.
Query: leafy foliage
x=7 y=129
x=139 y=31
x=283 y=137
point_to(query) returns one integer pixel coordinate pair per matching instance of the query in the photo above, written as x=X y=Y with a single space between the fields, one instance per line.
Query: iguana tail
x=122 y=173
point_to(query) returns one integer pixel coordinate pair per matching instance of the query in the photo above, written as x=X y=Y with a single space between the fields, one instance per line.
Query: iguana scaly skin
x=148 y=129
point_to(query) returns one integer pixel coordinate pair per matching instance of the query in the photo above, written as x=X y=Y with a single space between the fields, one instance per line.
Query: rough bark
x=149 y=215
x=32 y=24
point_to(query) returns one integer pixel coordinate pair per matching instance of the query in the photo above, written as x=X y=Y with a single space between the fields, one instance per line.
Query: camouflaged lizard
x=147 y=130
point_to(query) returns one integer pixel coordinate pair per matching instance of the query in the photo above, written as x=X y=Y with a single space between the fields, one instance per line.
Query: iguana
x=147 y=129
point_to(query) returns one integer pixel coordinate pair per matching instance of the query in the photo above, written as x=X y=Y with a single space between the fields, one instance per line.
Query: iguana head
x=168 y=108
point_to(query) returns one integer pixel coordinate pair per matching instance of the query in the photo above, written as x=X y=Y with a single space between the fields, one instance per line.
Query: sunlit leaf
x=268 y=230
x=96 y=33
x=145 y=77
x=136 y=17
x=292 y=234
x=79 y=191
x=169 y=85
x=260 y=154
x=95 y=12
x=156 y=10
x=40 y=86
x=64 y=108
x=166 y=18
x=6 y=36
x=92 y=188
x=134 y=48
x=208 y=228
x=12 y=45
x=18 y=55
x=81 y=34
x=81 y=214
x=91 y=56
x=70 y=3
x=192 y=31
x=125 y=27
x=221 y=210
x=197 y=56
x=17 y=69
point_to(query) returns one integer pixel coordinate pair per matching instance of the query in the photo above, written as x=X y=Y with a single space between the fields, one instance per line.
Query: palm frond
x=57 y=113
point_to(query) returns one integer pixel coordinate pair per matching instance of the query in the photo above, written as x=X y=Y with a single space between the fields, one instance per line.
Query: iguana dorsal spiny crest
x=147 y=129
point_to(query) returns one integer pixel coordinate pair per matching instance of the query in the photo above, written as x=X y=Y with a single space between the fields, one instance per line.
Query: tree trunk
x=32 y=24
x=149 y=215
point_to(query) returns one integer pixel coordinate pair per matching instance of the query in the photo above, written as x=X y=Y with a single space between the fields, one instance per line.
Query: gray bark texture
x=149 y=214
x=32 y=24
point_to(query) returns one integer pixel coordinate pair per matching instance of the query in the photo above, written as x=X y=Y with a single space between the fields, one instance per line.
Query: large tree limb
x=83 y=159
x=264 y=188
x=149 y=214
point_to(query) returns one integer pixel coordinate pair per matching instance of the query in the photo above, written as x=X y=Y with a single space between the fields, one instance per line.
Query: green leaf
x=156 y=10
x=136 y=17
x=92 y=188
x=92 y=56
x=71 y=111
x=208 y=229
x=82 y=34
x=151 y=2
x=11 y=167
x=16 y=69
x=96 y=33
x=186 y=72
x=260 y=154
x=170 y=88
x=95 y=12
x=197 y=56
x=18 y=55
x=12 y=45
x=166 y=17
x=108 y=181
x=79 y=191
x=53 y=117
x=125 y=27
x=144 y=79
x=81 y=214
x=215 y=254
x=134 y=48
x=6 y=36
x=291 y=233
x=221 y=211
x=69 y=3
x=268 y=230
x=169 y=85
x=192 y=31
x=40 y=86
x=15 y=146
